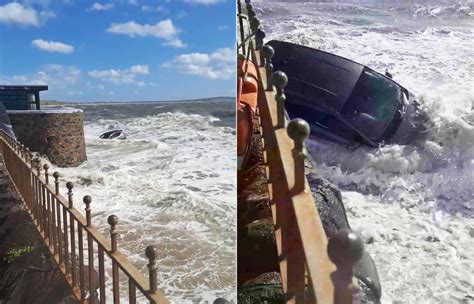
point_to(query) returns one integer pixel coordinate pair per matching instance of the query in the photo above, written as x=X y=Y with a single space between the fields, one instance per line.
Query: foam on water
x=415 y=202
x=172 y=184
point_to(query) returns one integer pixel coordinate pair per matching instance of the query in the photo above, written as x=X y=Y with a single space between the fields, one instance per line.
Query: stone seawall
x=57 y=134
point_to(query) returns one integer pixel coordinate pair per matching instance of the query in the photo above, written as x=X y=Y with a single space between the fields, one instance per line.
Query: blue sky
x=119 y=50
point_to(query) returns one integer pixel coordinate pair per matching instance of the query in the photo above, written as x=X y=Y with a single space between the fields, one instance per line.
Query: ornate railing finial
x=345 y=249
x=267 y=53
x=152 y=267
x=113 y=220
x=280 y=80
x=69 y=186
x=298 y=130
x=46 y=174
x=87 y=200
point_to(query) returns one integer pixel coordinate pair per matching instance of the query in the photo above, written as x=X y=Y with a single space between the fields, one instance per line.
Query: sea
x=413 y=203
x=172 y=184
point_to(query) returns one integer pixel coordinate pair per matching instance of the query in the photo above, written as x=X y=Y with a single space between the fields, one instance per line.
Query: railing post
x=56 y=182
x=268 y=52
x=280 y=80
x=152 y=267
x=27 y=154
x=298 y=130
x=46 y=175
x=69 y=186
x=87 y=200
x=113 y=220
x=345 y=249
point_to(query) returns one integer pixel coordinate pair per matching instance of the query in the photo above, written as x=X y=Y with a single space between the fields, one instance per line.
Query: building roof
x=24 y=87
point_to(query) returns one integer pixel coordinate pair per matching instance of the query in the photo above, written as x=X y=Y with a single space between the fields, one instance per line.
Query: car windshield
x=372 y=104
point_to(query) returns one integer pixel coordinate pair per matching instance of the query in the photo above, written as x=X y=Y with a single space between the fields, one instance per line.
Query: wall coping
x=59 y=110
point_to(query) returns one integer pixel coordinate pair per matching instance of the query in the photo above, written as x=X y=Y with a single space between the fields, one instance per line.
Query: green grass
x=17 y=252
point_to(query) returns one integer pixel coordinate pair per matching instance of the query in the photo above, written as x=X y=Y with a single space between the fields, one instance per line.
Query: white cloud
x=133 y=2
x=164 y=30
x=52 y=46
x=127 y=76
x=159 y=8
x=55 y=75
x=217 y=65
x=223 y=27
x=101 y=7
x=205 y=2
x=16 y=13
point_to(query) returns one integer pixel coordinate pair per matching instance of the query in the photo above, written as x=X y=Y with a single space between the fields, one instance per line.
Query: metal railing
x=75 y=244
x=313 y=268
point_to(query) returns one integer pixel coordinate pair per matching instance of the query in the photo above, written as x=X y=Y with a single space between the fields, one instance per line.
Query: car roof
x=331 y=74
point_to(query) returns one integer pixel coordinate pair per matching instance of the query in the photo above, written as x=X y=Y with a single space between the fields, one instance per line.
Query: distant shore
x=60 y=103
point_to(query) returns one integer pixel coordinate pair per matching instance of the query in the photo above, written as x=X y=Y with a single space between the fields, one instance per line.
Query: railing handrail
x=46 y=193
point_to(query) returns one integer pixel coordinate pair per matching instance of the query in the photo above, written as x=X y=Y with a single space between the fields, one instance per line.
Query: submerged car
x=343 y=100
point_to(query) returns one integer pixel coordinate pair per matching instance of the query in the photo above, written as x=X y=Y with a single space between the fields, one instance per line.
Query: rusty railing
x=70 y=237
x=313 y=268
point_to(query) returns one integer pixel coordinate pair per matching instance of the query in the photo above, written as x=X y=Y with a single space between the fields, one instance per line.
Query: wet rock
x=257 y=251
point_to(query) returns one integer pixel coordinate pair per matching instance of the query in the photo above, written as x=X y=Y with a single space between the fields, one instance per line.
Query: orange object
x=247 y=92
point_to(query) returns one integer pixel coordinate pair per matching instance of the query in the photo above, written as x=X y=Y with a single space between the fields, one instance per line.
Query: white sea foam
x=416 y=201
x=172 y=184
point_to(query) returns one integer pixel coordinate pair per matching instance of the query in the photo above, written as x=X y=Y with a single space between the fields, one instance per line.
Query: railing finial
x=56 y=181
x=259 y=36
x=87 y=200
x=345 y=249
x=298 y=130
x=267 y=53
x=38 y=165
x=150 y=252
x=113 y=220
x=69 y=186
x=280 y=80
x=46 y=174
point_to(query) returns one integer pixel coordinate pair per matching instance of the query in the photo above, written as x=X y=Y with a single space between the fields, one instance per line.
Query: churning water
x=414 y=203
x=172 y=184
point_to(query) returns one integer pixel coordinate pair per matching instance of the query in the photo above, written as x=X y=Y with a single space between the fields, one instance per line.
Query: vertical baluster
x=69 y=186
x=268 y=52
x=101 y=275
x=150 y=252
x=132 y=292
x=47 y=205
x=298 y=130
x=345 y=249
x=82 y=280
x=113 y=220
x=58 y=217
x=280 y=80
x=65 y=240
x=90 y=246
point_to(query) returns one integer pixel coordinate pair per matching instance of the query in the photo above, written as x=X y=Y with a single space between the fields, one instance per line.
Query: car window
x=372 y=104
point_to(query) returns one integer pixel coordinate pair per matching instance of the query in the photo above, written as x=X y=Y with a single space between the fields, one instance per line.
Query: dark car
x=343 y=100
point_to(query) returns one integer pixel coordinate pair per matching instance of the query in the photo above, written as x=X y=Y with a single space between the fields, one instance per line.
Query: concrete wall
x=58 y=134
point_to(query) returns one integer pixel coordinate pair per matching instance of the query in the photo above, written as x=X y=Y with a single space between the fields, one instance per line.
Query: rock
x=257 y=251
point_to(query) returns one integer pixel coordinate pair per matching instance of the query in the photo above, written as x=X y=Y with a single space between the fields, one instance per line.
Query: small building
x=21 y=97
